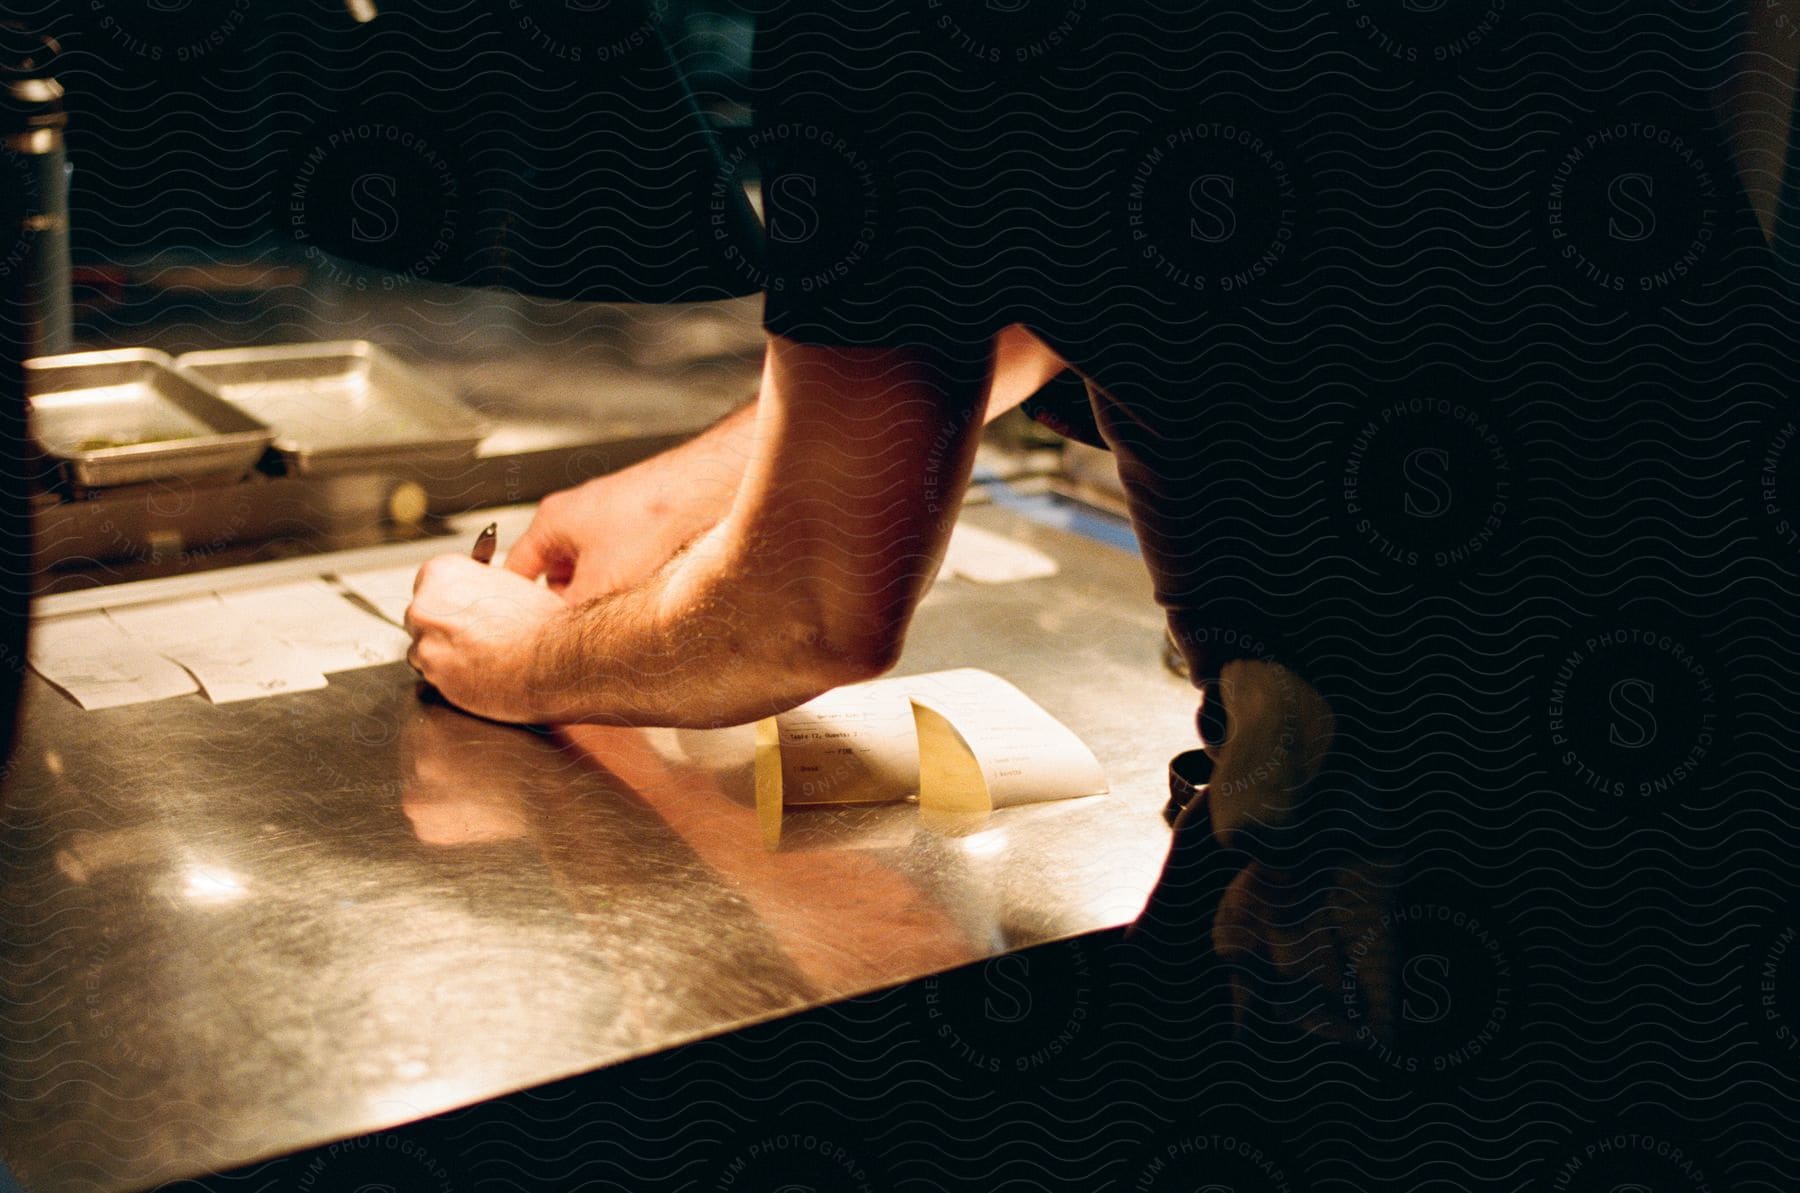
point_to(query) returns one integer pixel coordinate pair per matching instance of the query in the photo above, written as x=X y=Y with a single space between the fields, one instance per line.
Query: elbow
x=857 y=659
x=832 y=656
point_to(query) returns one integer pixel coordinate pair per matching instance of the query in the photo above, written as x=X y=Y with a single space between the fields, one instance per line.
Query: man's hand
x=477 y=636
x=613 y=533
x=597 y=538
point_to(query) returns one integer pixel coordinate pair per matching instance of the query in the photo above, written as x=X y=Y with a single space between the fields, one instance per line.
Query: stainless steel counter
x=235 y=931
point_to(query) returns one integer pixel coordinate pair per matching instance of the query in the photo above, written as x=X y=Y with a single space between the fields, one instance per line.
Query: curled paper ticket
x=984 y=744
x=962 y=741
x=853 y=745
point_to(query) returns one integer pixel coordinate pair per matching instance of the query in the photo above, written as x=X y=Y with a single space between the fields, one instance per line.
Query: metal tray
x=130 y=415
x=345 y=406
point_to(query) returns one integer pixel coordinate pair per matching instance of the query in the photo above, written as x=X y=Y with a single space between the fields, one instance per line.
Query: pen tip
x=484 y=543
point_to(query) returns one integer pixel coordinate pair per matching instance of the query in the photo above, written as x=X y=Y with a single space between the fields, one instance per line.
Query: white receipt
x=852 y=745
x=92 y=661
x=988 y=558
x=232 y=657
x=388 y=589
x=328 y=631
x=963 y=740
x=1020 y=753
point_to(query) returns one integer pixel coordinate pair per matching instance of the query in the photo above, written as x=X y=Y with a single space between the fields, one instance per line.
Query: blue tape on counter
x=7 y=1183
x=1066 y=514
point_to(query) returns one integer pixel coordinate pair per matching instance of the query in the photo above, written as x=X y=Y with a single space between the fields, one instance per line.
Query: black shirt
x=1389 y=315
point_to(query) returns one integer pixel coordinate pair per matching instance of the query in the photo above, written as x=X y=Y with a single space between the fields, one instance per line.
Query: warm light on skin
x=1023 y=364
x=793 y=536
x=204 y=884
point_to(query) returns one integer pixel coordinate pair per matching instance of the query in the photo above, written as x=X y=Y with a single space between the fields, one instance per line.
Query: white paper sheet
x=232 y=657
x=988 y=558
x=94 y=663
x=389 y=590
x=852 y=745
x=1021 y=753
x=329 y=632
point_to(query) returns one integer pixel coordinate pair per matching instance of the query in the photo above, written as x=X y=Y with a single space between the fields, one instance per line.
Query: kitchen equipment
x=33 y=164
x=343 y=406
x=129 y=415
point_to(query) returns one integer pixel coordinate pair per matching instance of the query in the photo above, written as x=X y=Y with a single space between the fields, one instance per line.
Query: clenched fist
x=481 y=635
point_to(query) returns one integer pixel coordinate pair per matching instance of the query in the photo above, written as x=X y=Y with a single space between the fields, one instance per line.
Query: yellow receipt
x=984 y=744
x=962 y=741
x=853 y=745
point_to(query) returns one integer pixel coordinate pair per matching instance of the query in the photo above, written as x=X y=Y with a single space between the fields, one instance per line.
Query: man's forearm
x=844 y=488
x=1023 y=364
x=684 y=650
x=809 y=581
x=728 y=439
x=698 y=480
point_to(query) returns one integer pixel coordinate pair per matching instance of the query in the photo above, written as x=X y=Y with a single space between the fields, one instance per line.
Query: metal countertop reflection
x=236 y=931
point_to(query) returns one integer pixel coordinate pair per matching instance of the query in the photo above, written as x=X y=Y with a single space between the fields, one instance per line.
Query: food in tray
x=87 y=407
x=97 y=443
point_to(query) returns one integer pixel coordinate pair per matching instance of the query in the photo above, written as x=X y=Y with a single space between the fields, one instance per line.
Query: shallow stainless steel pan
x=131 y=415
x=343 y=406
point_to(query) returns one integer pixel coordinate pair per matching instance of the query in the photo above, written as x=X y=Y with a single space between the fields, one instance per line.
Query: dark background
x=178 y=117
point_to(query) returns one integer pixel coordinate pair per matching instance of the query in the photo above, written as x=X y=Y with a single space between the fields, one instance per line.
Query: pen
x=484 y=544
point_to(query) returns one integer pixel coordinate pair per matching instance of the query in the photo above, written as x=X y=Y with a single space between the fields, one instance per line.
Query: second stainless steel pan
x=345 y=406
